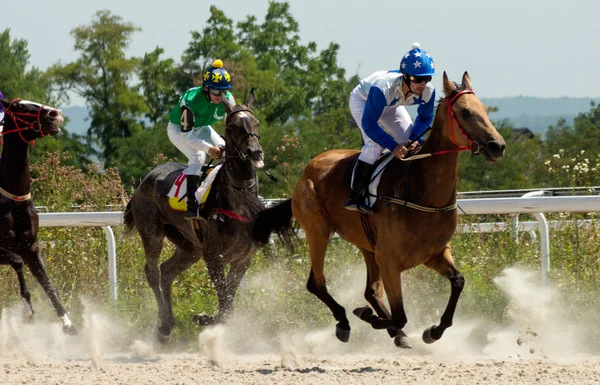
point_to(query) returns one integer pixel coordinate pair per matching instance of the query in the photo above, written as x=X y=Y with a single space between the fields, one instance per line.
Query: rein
x=23 y=124
x=452 y=117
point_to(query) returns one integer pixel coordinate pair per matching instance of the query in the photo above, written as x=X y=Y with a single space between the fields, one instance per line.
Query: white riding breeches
x=194 y=144
x=395 y=120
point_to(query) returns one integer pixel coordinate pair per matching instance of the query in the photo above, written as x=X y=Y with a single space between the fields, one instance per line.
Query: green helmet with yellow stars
x=217 y=77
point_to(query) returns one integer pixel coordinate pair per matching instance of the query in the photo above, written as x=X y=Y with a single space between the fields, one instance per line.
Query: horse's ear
x=250 y=101
x=448 y=85
x=466 y=82
x=226 y=104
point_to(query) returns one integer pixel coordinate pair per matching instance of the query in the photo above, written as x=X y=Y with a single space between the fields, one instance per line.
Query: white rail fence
x=534 y=202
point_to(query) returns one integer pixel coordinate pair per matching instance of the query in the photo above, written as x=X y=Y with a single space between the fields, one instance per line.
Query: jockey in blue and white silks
x=377 y=105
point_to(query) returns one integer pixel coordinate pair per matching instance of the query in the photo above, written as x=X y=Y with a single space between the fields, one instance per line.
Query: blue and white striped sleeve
x=424 y=118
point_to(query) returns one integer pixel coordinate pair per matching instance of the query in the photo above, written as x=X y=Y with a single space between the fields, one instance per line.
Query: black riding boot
x=193 y=182
x=362 y=176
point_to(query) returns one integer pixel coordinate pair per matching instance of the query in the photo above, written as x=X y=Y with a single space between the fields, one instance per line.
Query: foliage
x=17 y=78
x=101 y=76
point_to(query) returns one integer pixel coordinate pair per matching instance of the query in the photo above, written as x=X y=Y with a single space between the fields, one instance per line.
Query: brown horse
x=412 y=228
x=19 y=223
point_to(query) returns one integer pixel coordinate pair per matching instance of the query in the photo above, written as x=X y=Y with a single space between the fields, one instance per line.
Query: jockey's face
x=418 y=83
x=215 y=95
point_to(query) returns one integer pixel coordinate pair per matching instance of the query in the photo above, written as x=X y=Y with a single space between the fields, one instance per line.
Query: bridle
x=246 y=184
x=452 y=117
x=22 y=123
x=237 y=147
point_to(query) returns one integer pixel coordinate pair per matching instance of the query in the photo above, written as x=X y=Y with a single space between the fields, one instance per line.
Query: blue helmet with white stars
x=417 y=62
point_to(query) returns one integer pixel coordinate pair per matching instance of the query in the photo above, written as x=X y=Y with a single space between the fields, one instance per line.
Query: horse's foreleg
x=234 y=277
x=36 y=266
x=216 y=271
x=16 y=262
x=443 y=264
x=374 y=294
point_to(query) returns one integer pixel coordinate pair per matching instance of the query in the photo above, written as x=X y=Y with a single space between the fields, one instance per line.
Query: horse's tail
x=128 y=220
x=276 y=219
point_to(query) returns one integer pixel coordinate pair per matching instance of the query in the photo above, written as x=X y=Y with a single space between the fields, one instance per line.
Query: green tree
x=16 y=80
x=102 y=76
x=157 y=85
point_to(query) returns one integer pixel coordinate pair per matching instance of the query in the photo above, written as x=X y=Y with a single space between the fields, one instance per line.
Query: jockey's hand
x=215 y=152
x=400 y=151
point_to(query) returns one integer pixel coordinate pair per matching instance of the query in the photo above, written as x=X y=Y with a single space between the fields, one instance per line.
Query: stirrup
x=190 y=215
x=365 y=209
x=351 y=205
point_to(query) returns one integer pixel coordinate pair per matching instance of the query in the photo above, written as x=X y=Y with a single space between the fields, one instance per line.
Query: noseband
x=22 y=123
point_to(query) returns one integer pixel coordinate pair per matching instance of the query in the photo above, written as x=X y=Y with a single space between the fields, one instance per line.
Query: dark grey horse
x=224 y=239
x=19 y=222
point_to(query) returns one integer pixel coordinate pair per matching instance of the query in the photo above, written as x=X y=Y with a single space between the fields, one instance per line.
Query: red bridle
x=453 y=119
x=22 y=123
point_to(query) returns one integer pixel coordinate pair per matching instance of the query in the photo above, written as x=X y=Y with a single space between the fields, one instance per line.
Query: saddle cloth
x=179 y=189
x=380 y=165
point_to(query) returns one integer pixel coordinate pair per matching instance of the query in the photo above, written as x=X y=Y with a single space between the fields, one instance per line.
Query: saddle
x=380 y=165
x=177 y=198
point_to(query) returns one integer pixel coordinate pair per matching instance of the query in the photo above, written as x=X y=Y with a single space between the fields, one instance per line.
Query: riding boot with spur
x=356 y=200
x=193 y=182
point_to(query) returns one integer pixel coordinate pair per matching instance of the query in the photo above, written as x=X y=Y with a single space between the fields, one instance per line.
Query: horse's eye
x=466 y=113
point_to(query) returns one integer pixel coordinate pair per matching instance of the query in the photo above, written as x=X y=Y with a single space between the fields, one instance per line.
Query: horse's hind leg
x=152 y=239
x=374 y=294
x=36 y=266
x=16 y=262
x=317 y=244
x=443 y=264
x=181 y=260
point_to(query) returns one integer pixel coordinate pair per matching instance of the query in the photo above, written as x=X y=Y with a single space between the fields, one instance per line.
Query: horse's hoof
x=69 y=330
x=342 y=334
x=203 y=319
x=402 y=342
x=27 y=318
x=427 y=337
x=163 y=334
x=363 y=312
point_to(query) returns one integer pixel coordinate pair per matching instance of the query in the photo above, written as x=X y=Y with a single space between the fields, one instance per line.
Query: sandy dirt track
x=194 y=369
x=541 y=344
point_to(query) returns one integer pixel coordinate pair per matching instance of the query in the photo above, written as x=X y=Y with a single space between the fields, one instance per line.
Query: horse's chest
x=17 y=231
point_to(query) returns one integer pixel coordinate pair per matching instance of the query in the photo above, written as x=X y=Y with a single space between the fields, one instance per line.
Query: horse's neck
x=241 y=173
x=14 y=166
x=438 y=173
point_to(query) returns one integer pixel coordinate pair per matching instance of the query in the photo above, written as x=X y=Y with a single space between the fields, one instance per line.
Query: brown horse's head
x=241 y=132
x=30 y=120
x=467 y=123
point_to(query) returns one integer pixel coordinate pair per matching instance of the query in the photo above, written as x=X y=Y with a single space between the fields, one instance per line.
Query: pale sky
x=543 y=48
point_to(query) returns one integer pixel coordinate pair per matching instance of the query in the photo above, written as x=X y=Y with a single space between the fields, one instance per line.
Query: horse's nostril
x=495 y=147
